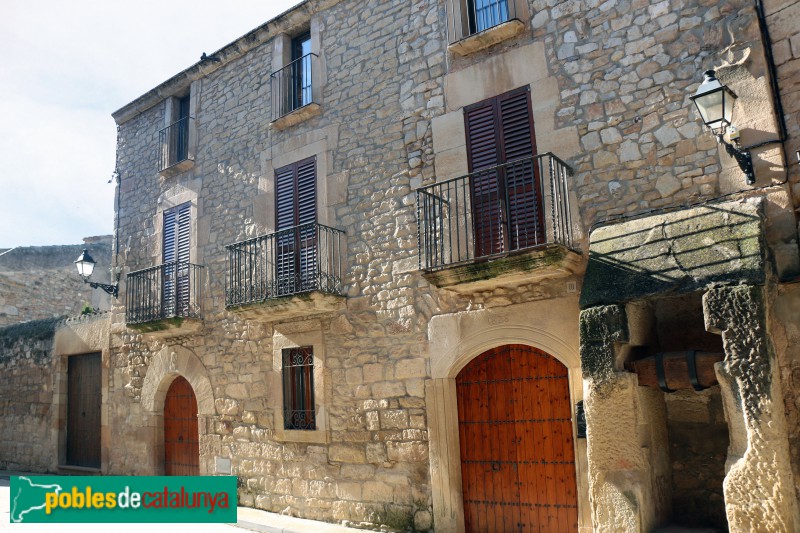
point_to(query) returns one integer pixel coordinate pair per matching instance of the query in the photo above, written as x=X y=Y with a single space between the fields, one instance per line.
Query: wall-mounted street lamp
x=715 y=103
x=85 y=265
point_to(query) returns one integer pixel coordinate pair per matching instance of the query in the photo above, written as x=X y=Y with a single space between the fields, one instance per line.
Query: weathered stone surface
x=676 y=252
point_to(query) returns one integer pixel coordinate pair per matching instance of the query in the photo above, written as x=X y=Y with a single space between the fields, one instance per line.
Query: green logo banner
x=117 y=499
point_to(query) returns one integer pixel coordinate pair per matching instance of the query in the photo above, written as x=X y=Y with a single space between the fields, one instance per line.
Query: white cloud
x=66 y=67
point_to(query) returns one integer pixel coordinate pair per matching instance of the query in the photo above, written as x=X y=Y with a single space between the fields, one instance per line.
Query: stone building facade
x=314 y=209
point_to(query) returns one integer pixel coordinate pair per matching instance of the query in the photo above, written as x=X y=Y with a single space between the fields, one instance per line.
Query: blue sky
x=67 y=65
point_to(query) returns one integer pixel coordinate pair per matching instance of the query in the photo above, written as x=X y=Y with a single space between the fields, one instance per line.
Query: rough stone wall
x=625 y=71
x=27 y=420
x=698 y=448
x=38 y=282
x=785 y=335
x=782 y=16
x=382 y=63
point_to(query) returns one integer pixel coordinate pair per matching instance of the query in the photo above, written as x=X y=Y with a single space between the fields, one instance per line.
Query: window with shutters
x=506 y=196
x=173 y=288
x=298 y=388
x=296 y=258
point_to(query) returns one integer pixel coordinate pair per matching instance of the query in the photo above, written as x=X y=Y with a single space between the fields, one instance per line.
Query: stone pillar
x=758 y=487
x=629 y=484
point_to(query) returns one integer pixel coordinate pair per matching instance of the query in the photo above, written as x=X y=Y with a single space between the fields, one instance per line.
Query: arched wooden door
x=181 y=441
x=515 y=430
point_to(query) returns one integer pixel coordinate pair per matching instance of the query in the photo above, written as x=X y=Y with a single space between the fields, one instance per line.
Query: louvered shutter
x=506 y=203
x=285 y=201
x=306 y=219
x=483 y=151
x=176 y=253
x=296 y=217
x=524 y=212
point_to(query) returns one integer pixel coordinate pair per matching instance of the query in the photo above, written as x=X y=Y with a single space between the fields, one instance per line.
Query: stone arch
x=481 y=340
x=168 y=363
x=454 y=341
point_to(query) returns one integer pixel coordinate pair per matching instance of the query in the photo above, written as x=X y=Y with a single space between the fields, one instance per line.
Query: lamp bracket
x=743 y=158
x=113 y=290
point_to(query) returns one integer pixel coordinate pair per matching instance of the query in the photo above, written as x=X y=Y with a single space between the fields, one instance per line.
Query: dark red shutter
x=524 y=212
x=506 y=202
x=483 y=151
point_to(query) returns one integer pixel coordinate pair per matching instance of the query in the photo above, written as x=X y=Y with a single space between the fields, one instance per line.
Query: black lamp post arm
x=743 y=158
x=113 y=290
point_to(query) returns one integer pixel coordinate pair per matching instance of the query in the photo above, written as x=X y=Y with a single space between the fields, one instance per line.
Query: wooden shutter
x=483 y=151
x=176 y=252
x=298 y=388
x=506 y=202
x=295 y=221
x=524 y=212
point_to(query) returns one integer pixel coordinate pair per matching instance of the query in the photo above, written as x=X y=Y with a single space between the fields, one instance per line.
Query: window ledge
x=316 y=436
x=287 y=307
x=177 y=168
x=551 y=261
x=169 y=327
x=297 y=116
x=487 y=38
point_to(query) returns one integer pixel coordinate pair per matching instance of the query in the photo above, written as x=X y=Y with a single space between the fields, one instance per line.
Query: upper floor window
x=176 y=137
x=477 y=24
x=295 y=80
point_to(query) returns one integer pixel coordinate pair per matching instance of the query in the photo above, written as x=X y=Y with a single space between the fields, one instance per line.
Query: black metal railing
x=171 y=290
x=174 y=143
x=474 y=16
x=292 y=86
x=296 y=260
x=511 y=207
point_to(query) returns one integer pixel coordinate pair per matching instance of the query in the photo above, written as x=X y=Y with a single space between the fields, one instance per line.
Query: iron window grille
x=174 y=142
x=292 y=86
x=298 y=388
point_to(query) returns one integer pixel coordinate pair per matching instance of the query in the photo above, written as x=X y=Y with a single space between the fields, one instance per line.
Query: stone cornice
x=284 y=23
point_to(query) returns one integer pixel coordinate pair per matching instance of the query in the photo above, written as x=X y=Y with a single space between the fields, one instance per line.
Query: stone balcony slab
x=551 y=261
x=294 y=306
x=169 y=327
x=487 y=38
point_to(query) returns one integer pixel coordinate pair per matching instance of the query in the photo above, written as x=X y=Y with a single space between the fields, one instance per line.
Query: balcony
x=290 y=273
x=293 y=94
x=174 y=142
x=505 y=225
x=477 y=24
x=164 y=300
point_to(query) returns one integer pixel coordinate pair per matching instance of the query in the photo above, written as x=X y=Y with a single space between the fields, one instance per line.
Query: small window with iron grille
x=298 y=388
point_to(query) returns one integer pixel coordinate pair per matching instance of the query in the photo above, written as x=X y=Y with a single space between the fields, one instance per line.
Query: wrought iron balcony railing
x=174 y=143
x=493 y=212
x=292 y=86
x=296 y=260
x=474 y=16
x=171 y=290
